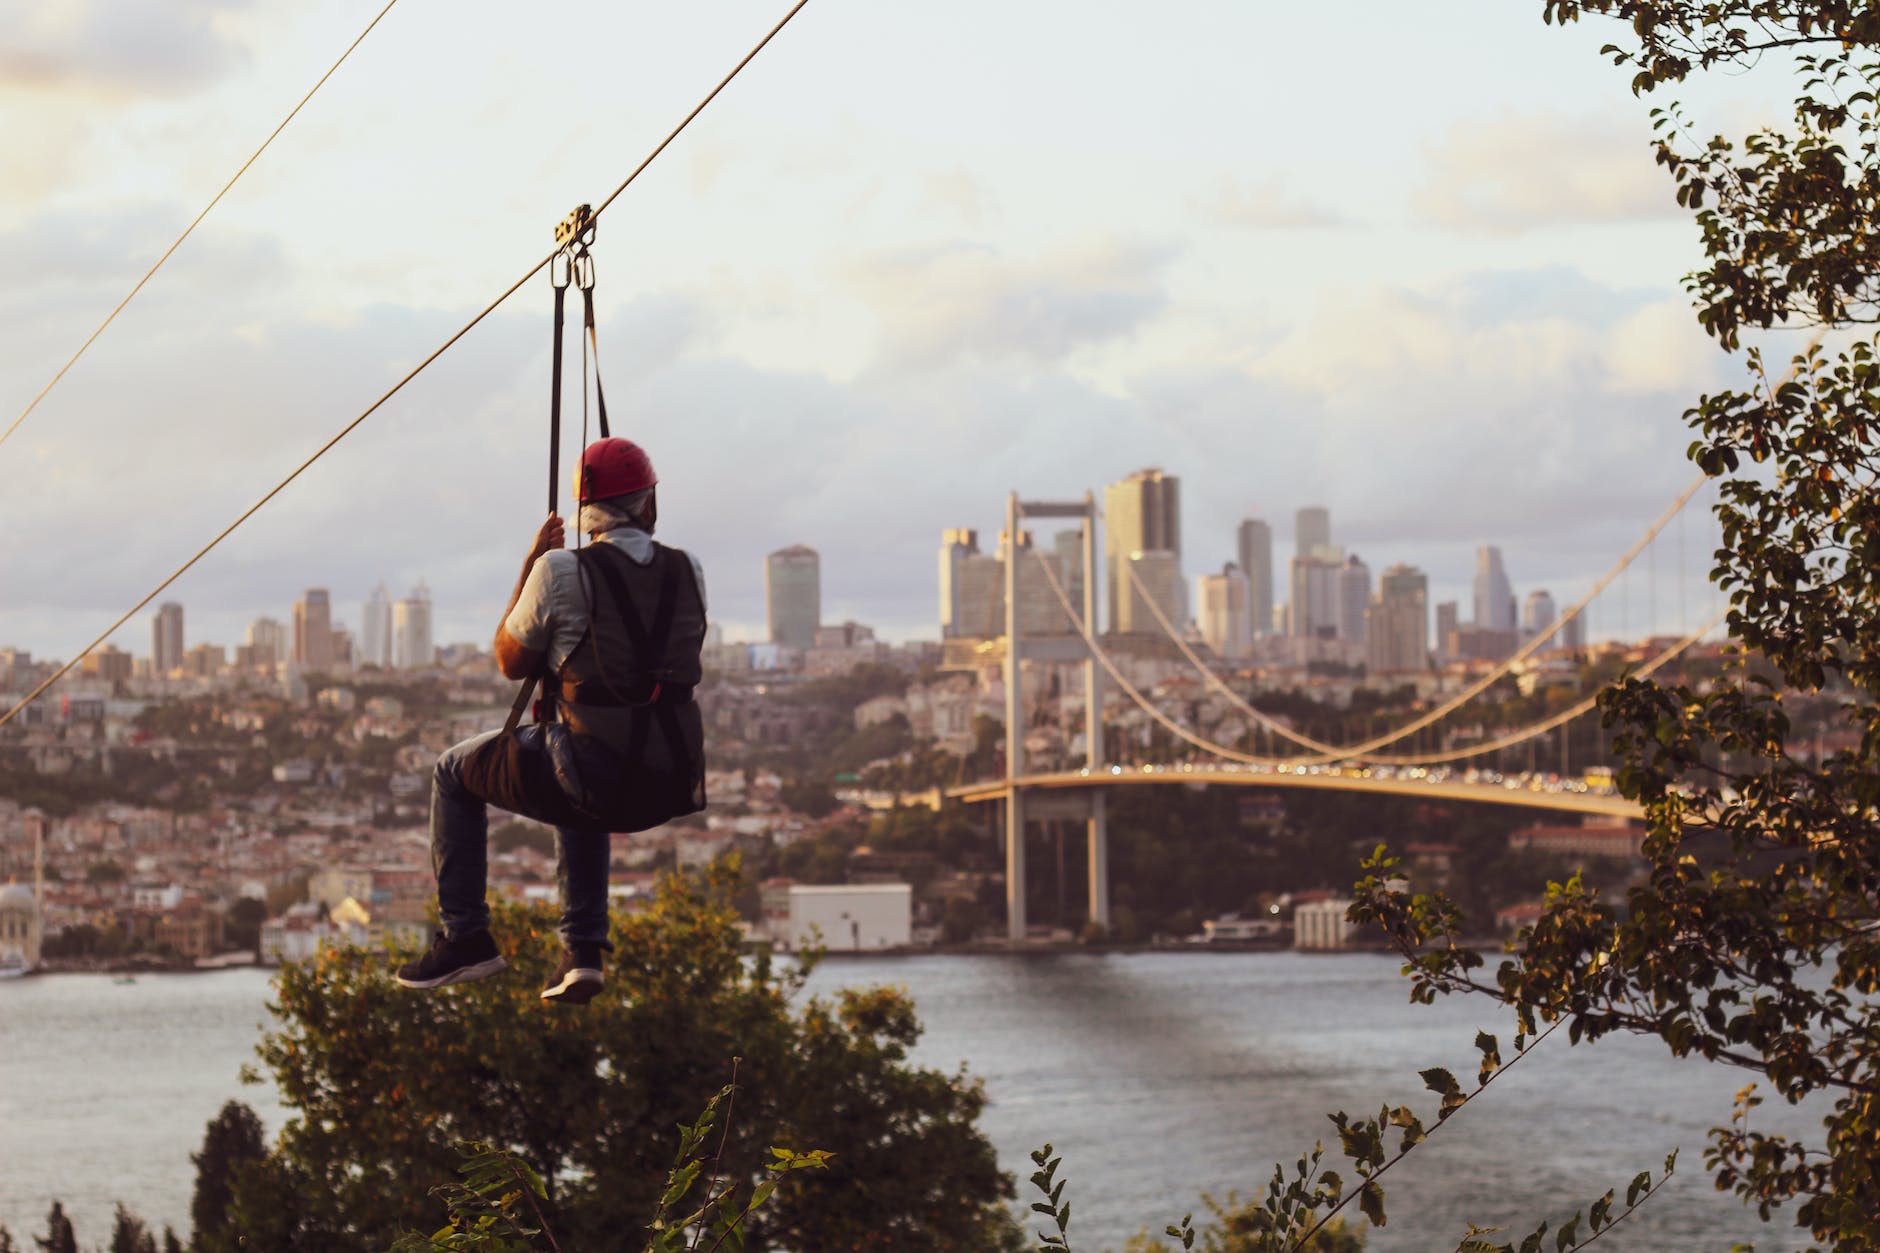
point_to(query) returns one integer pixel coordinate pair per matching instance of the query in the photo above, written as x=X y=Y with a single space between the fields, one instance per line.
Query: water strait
x=1157 y=1076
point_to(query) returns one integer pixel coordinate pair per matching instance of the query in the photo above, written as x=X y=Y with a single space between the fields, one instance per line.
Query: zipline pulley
x=572 y=265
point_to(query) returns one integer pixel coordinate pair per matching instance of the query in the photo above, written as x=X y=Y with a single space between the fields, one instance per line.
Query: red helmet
x=612 y=467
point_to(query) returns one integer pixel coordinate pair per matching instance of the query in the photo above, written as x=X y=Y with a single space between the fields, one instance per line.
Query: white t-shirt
x=551 y=614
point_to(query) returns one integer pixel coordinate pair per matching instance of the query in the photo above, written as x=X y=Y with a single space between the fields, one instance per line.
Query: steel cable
x=346 y=430
x=190 y=229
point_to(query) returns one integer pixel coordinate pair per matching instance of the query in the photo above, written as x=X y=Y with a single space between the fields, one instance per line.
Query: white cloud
x=967 y=302
x=1267 y=205
x=1518 y=173
x=113 y=48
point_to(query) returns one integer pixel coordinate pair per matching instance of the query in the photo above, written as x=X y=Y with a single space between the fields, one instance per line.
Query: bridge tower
x=1087 y=802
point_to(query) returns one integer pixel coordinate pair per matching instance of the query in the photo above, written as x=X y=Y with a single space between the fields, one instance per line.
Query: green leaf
x=1640 y=1182
x=1371 y=1201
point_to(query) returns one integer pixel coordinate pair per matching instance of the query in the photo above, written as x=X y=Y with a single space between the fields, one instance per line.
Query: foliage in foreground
x=1755 y=939
x=1306 y=1210
x=384 y=1082
x=499 y=1196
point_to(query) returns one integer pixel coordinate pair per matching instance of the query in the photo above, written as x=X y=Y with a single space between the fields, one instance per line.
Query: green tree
x=59 y=1237
x=232 y=1141
x=106 y=871
x=384 y=1082
x=245 y=917
x=1753 y=941
x=130 y=1234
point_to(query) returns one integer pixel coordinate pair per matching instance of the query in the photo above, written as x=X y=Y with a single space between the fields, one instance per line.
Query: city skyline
x=1457 y=347
x=1352 y=603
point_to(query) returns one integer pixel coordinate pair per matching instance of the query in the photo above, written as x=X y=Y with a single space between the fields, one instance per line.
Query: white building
x=843 y=918
x=1322 y=925
x=1221 y=601
x=375 y=637
x=411 y=631
x=1157 y=580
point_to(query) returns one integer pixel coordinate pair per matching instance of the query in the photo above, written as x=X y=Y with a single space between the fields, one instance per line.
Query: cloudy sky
x=1412 y=262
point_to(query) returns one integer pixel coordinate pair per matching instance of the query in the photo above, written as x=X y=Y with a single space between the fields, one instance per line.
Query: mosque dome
x=16 y=898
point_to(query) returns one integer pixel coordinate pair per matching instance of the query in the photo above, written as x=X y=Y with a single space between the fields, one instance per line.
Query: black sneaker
x=453 y=961
x=578 y=978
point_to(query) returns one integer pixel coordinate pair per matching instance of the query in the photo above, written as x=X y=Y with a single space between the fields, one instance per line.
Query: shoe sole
x=577 y=987
x=463 y=974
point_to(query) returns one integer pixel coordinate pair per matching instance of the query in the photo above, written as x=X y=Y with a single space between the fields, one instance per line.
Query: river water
x=1157 y=1076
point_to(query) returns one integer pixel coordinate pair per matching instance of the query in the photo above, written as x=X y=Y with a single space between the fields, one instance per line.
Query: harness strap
x=600 y=396
x=647 y=645
x=560 y=284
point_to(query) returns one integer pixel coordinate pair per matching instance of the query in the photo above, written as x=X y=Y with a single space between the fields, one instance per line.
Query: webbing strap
x=600 y=395
x=554 y=462
x=554 y=405
x=637 y=634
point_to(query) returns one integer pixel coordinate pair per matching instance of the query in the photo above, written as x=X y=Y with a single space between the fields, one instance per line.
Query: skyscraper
x=1494 y=598
x=1537 y=613
x=313 y=630
x=1158 y=580
x=1221 y=609
x=1354 y=597
x=1069 y=546
x=961 y=613
x=265 y=646
x=375 y=640
x=166 y=645
x=412 y=647
x=1398 y=635
x=793 y=595
x=1039 y=610
x=1315 y=595
x=1312 y=530
x=1142 y=514
x=1256 y=565
x=1448 y=618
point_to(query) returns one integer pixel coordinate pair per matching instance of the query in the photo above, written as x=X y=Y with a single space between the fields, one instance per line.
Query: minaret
x=37 y=944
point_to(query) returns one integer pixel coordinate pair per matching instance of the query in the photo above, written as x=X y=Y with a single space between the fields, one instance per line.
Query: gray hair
x=616 y=511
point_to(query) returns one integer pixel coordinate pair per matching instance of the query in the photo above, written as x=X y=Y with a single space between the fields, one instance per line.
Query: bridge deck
x=1563 y=798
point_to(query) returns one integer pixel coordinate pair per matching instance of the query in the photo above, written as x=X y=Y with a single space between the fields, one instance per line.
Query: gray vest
x=629 y=682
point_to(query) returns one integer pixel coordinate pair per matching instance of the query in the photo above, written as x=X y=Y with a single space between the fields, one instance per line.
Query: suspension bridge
x=1431 y=768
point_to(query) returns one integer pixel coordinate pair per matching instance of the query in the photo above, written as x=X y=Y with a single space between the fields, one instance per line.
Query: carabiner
x=582 y=265
x=560 y=269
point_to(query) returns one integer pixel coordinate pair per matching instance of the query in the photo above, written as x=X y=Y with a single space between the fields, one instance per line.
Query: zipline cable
x=187 y=230
x=348 y=429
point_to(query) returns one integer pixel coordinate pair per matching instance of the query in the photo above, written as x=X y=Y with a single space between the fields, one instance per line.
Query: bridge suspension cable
x=1508 y=740
x=346 y=430
x=1335 y=752
x=1129 y=689
x=190 y=229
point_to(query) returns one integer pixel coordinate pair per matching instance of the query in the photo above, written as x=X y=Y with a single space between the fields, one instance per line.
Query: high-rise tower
x=375 y=639
x=166 y=644
x=1312 y=530
x=1142 y=516
x=1397 y=638
x=1494 y=598
x=313 y=630
x=412 y=647
x=1256 y=564
x=793 y=595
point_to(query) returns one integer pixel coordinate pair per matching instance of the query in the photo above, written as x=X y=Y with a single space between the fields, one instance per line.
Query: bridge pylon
x=1096 y=819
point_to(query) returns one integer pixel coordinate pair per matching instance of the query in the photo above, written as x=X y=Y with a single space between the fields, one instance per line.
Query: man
x=616 y=629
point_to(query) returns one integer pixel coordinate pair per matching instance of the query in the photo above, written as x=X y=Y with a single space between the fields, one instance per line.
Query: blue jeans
x=460 y=846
